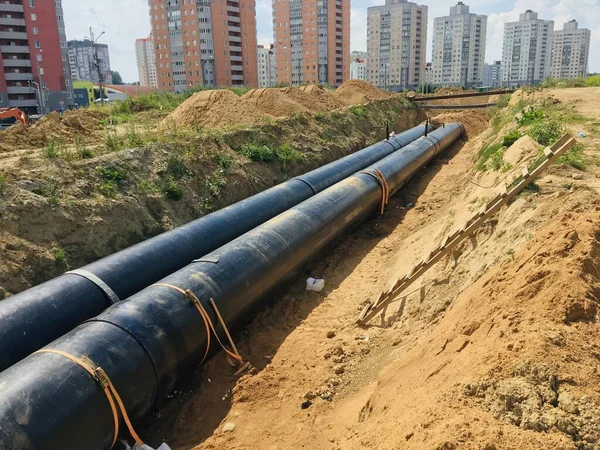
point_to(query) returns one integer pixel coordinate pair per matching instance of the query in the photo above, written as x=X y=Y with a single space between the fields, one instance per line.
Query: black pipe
x=148 y=342
x=37 y=316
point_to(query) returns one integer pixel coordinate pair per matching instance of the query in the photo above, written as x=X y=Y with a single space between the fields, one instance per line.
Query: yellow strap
x=233 y=355
x=385 y=189
x=100 y=376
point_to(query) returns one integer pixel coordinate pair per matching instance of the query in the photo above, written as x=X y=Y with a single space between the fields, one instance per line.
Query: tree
x=116 y=77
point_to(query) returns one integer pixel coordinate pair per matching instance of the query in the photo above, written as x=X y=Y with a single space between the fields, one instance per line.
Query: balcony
x=233 y=19
x=7 y=7
x=13 y=35
x=237 y=68
x=10 y=21
x=235 y=58
x=23 y=103
x=16 y=62
x=234 y=9
x=14 y=49
x=237 y=77
x=234 y=39
x=234 y=48
x=234 y=29
x=18 y=76
x=20 y=90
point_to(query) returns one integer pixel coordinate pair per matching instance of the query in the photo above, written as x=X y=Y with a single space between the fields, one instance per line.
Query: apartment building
x=34 y=69
x=357 y=54
x=527 y=50
x=82 y=61
x=459 y=48
x=204 y=43
x=570 y=51
x=312 y=38
x=267 y=66
x=358 y=69
x=492 y=74
x=146 y=61
x=396 y=45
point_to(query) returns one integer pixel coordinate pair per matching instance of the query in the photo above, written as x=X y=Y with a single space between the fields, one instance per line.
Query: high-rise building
x=396 y=44
x=357 y=54
x=204 y=43
x=358 y=69
x=82 y=61
x=267 y=66
x=428 y=73
x=34 y=68
x=312 y=38
x=492 y=74
x=459 y=48
x=146 y=61
x=526 y=51
x=570 y=51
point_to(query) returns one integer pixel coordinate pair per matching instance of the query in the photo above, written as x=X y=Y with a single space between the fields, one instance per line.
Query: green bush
x=60 y=255
x=511 y=138
x=111 y=173
x=173 y=190
x=546 y=132
x=214 y=183
x=359 y=111
x=114 y=142
x=287 y=154
x=134 y=139
x=176 y=167
x=259 y=152
x=485 y=154
x=529 y=115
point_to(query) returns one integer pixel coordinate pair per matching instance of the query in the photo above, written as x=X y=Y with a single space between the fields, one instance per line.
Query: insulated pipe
x=37 y=316
x=145 y=344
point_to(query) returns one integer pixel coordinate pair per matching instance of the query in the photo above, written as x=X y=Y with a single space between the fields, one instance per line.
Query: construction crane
x=21 y=117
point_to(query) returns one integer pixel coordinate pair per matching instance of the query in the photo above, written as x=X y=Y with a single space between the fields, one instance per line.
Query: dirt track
x=498 y=351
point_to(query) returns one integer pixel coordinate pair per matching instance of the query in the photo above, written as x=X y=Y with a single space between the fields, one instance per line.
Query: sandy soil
x=496 y=349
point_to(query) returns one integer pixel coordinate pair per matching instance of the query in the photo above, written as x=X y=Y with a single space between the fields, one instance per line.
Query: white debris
x=164 y=446
x=316 y=285
x=228 y=427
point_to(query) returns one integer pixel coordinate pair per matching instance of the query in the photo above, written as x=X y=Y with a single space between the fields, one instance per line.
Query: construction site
x=303 y=268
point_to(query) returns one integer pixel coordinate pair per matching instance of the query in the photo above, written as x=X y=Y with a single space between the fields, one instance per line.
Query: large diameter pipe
x=37 y=316
x=148 y=342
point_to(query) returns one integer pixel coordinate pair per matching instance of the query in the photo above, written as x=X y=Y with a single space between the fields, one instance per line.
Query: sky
x=126 y=20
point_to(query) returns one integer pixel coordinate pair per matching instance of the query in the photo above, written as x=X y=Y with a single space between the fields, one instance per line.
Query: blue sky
x=126 y=20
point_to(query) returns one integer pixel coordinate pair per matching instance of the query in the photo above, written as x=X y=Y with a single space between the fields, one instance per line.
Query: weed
x=113 y=141
x=328 y=136
x=359 y=111
x=567 y=186
x=258 y=152
x=111 y=178
x=50 y=191
x=487 y=153
x=224 y=161
x=134 y=139
x=503 y=101
x=511 y=138
x=287 y=154
x=574 y=157
x=3 y=183
x=176 y=168
x=452 y=213
x=85 y=153
x=511 y=252
x=51 y=152
x=547 y=132
x=109 y=189
x=60 y=256
x=496 y=160
x=207 y=205
x=320 y=117
x=172 y=189
x=145 y=187
x=529 y=115
x=214 y=183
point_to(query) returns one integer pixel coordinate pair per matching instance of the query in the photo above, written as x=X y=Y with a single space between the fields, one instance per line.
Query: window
x=37 y=44
x=32 y=3
x=33 y=17
x=35 y=30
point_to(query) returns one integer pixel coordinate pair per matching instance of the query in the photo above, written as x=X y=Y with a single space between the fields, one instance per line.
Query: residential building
x=267 y=66
x=459 y=48
x=570 y=51
x=82 y=61
x=358 y=69
x=204 y=43
x=312 y=39
x=396 y=44
x=428 y=73
x=146 y=61
x=34 y=70
x=87 y=92
x=358 y=55
x=492 y=74
x=527 y=50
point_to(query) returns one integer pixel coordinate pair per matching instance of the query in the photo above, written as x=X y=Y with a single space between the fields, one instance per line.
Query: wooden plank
x=526 y=172
x=548 y=152
x=503 y=190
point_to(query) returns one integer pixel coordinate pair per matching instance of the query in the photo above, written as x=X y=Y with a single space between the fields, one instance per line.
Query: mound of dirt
x=452 y=91
x=524 y=149
x=273 y=102
x=475 y=121
x=315 y=97
x=355 y=92
x=214 y=109
x=72 y=126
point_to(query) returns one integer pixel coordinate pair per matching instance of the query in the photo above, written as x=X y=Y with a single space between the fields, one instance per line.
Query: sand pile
x=522 y=150
x=475 y=120
x=452 y=91
x=324 y=96
x=354 y=92
x=72 y=126
x=273 y=102
x=217 y=108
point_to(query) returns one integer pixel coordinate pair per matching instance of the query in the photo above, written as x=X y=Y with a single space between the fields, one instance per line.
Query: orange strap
x=100 y=376
x=385 y=189
x=233 y=356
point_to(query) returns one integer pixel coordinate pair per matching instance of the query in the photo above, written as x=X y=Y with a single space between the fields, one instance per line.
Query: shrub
x=511 y=138
x=574 y=157
x=112 y=177
x=258 y=152
x=529 y=115
x=214 y=183
x=547 y=132
x=486 y=154
x=60 y=255
x=173 y=190
x=359 y=111
x=286 y=154
x=176 y=167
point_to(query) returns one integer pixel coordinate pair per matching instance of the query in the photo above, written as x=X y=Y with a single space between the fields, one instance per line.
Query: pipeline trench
x=412 y=379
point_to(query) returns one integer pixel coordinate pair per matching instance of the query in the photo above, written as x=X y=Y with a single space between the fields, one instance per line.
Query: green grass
x=486 y=153
x=50 y=191
x=51 y=150
x=111 y=178
x=224 y=161
x=176 y=167
x=214 y=183
x=3 y=183
x=113 y=141
x=574 y=157
x=511 y=138
x=270 y=153
x=172 y=189
x=359 y=111
x=60 y=256
x=134 y=139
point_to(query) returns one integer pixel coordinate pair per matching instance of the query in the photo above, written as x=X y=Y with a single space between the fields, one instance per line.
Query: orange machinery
x=14 y=112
